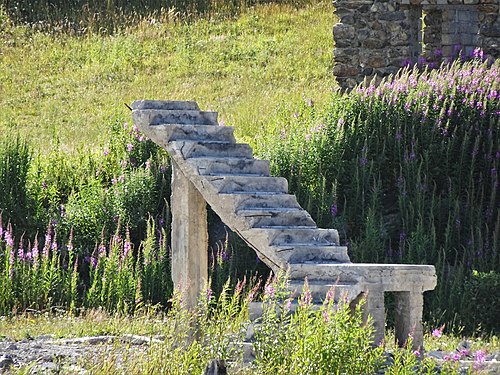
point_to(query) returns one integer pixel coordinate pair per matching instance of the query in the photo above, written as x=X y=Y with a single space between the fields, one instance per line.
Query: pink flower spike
x=437 y=332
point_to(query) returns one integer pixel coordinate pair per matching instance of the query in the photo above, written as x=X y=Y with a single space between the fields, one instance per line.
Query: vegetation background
x=406 y=172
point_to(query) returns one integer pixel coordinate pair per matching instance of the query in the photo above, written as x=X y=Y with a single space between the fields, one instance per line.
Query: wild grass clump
x=408 y=172
x=45 y=275
x=112 y=16
x=313 y=341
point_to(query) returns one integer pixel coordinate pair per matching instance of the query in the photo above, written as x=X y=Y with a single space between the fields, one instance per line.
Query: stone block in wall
x=488 y=18
x=344 y=70
x=471 y=1
x=344 y=31
x=399 y=39
x=488 y=8
x=492 y=31
x=372 y=43
x=454 y=2
x=400 y=53
x=491 y=46
x=392 y=16
x=374 y=59
x=349 y=56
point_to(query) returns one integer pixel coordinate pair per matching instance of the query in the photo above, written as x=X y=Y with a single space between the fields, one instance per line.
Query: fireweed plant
x=407 y=171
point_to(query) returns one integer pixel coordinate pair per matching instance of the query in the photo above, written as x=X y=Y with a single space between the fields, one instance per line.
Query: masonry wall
x=377 y=37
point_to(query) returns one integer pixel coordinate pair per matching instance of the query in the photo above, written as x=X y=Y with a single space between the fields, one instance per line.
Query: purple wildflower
x=269 y=290
x=406 y=62
x=105 y=152
x=8 y=236
x=326 y=317
x=34 y=251
x=333 y=210
x=363 y=161
x=1 y=226
x=437 y=332
x=20 y=251
x=93 y=262
x=479 y=358
x=127 y=246
x=209 y=294
x=130 y=146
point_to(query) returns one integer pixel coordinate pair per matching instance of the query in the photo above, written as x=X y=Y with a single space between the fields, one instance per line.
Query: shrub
x=406 y=170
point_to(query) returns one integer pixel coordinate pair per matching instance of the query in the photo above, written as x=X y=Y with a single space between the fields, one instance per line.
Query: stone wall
x=377 y=37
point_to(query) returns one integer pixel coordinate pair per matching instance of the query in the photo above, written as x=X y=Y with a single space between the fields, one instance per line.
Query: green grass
x=74 y=87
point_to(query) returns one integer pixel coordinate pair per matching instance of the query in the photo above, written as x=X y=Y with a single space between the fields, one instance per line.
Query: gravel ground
x=48 y=355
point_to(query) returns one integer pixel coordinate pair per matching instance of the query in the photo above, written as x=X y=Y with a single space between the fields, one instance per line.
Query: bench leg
x=408 y=319
x=374 y=306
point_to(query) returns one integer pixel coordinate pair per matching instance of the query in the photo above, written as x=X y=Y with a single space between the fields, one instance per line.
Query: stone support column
x=189 y=238
x=374 y=307
x=408 y=319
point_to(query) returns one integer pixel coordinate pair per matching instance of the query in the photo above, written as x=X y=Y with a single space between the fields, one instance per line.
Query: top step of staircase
x=171 y=105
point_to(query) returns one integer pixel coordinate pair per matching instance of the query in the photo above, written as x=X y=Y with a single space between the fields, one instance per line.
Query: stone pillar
x=189 y=238
x=374 y=307
x=408 y=319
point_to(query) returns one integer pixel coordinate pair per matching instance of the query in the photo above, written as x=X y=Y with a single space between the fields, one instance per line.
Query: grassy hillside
x=75 y=86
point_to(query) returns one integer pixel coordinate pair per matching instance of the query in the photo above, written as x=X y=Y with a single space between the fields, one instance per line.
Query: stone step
x=165 y=104
x=242 y=201
x=245 y=184
x=145 y=117
x=260 y=218
x=389 y=277
x=211 y=149
x=176 y=132
x=308 y=253
x=218 y=166
x=293 y=236
x=320 y=271
x=319 y=289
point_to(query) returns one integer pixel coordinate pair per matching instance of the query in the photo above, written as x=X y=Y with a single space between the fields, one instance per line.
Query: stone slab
x=163 y=134
x=217 y=166
x=165 y=104
x=147 y=117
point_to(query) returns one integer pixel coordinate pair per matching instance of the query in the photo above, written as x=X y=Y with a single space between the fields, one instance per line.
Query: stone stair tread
x=193 y=149
x=288 y=227
x=258 y=210
x=315 y=252
x=165 y=104
x=213 y=166
x=166 y=133
x=252 y=201
x=238 y=183
x=174 y=116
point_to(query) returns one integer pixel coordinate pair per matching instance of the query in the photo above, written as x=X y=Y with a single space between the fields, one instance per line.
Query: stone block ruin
x=378 y=37
x=210 y=167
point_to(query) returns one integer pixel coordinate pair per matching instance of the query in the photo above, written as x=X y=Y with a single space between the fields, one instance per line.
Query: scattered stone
x=6 y=361
x=216 y=367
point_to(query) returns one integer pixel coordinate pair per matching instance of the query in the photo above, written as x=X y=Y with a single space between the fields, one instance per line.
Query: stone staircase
x=209 y=166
